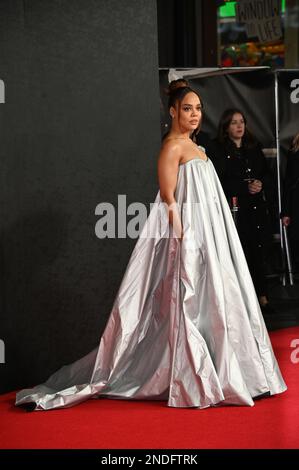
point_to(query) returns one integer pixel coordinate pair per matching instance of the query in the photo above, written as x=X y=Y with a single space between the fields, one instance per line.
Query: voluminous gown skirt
x=185 y=325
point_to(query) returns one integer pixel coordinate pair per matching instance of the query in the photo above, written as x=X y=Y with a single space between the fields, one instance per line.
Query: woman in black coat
x=242 y=169
x=290 y=200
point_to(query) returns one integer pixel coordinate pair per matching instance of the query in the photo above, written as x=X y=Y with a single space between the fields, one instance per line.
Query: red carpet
x=106 y=424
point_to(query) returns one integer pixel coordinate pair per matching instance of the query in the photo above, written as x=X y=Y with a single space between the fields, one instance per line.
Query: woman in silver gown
x=186 y=325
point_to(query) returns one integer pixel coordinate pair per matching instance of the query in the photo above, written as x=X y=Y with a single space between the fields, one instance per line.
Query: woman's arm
x=168 y=166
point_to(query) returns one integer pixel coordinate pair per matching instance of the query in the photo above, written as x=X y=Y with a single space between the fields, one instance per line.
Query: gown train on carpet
x=186 y=325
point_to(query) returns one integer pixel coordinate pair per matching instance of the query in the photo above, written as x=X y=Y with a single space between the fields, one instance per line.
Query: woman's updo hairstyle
x=177 y=90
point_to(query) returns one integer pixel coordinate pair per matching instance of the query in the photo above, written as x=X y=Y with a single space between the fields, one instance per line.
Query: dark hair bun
x=175 y=84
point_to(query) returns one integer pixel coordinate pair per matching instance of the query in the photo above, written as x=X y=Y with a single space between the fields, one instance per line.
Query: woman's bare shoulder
x=171 y=147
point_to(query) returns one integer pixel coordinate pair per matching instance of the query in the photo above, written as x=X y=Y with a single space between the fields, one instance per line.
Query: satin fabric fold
x=186 y=325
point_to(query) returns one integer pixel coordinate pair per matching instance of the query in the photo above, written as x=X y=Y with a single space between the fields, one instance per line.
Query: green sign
x=228 y=10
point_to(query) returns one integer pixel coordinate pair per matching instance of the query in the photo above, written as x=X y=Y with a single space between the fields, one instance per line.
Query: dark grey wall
x=80 y=125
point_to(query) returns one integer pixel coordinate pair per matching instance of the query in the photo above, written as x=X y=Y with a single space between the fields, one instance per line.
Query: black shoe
x=267 y=309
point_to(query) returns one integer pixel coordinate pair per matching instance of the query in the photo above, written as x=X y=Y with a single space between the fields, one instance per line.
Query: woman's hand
x=175 y=221
x=286 y=221
x=255 y=186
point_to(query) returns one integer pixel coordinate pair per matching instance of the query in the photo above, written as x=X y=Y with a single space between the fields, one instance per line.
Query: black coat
x=290 y=199
x=253 y=221
x=234 y=166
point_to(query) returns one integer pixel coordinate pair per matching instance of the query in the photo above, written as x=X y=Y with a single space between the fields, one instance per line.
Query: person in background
x=290 y=200
x=203 y=139
x=241 y=166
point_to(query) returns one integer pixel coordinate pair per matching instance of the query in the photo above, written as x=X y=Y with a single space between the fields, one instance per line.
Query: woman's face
x=236 y=128
x=188 y=112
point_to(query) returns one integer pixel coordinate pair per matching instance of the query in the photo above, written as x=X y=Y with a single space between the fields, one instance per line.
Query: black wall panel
x=80 y=125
